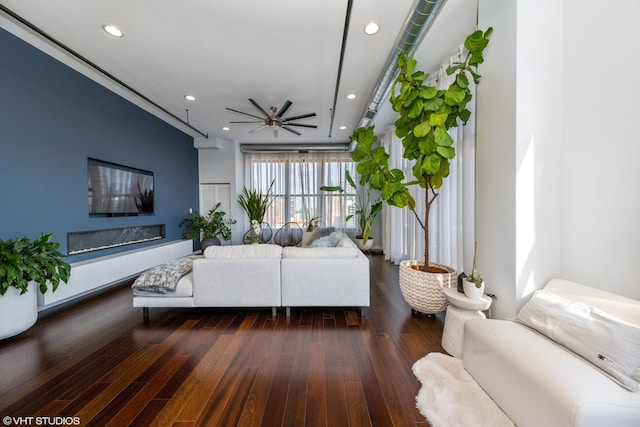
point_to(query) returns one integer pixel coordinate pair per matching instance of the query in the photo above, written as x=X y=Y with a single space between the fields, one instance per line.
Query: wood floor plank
x=193 y=388
x=138 y=402
x=321 y=367
x=356 y=404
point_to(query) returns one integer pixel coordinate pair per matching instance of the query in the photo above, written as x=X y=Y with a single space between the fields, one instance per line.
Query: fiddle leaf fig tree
x=426 y=115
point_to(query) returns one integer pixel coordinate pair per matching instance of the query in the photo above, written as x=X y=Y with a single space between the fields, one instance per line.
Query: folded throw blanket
x=163 y=278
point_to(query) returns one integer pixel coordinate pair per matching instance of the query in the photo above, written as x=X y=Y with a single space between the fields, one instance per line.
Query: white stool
x=460 y=310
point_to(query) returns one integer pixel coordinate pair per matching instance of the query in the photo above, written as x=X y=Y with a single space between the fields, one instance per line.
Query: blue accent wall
x=52 y=119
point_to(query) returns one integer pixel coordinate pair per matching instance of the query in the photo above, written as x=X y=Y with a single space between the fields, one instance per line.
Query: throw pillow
x=607 y=342
x=320 y=232
x=325 y=242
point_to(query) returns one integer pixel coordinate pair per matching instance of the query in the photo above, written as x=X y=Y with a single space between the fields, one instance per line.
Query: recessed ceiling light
x=225 y=128
x=113 y=30
x=343 y=127
x=190 y=97
x=371 y=28
x=351 y=96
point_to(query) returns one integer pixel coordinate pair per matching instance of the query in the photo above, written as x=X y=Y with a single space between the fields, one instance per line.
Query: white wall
x=556 y=157
x=224 y=165
x=495 y=155
x=519 y=163
x=601 y=173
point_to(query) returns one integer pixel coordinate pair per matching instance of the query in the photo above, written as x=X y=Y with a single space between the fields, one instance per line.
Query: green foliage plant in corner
x=426 y=115
x=212 y=225
x=23 y=260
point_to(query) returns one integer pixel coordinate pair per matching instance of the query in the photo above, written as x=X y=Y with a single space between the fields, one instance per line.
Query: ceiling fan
x=275 y=120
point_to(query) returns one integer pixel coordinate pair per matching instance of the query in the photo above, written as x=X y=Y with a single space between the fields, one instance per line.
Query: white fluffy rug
x=450 y=397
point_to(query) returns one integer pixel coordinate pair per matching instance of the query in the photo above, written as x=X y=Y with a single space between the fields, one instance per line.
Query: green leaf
x=462 y=80
x=447 y=152
x=331 y=189
x=442 y=137
x=431 y=164
x=465 y=115
x=433 y=104
x=427 y=92
x=436 y=120
x=350 y=180
x=454 y=95
x=416 y=109
x=422 y=129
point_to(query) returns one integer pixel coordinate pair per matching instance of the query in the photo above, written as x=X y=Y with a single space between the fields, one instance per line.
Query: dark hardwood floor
x=99 y=362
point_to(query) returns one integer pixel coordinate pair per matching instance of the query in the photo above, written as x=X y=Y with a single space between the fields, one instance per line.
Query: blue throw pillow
x=325 y=242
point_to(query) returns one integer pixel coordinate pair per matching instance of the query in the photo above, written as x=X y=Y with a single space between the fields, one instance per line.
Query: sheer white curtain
x=296 y=191
x=452 y=219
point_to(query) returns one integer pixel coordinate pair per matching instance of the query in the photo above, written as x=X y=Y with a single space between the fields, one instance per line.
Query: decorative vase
x=209 y=241
x=364 y=246
x=471 y=290
x=423 y=291
x=18 y=312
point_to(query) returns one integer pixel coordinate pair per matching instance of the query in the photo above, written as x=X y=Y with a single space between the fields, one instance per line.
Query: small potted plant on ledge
x=473 y=284
x=208 y=227
x=25 y=263
x=368 y=205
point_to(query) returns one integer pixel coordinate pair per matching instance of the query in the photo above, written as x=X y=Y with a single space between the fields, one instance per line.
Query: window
x=296 y=191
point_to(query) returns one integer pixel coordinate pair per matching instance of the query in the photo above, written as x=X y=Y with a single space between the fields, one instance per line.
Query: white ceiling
x=224 y=52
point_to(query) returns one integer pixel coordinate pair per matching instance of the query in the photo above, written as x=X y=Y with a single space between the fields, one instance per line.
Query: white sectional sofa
x=582 y=376
x=267 y=275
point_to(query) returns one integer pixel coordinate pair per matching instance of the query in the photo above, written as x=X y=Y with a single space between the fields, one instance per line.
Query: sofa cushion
x=244 y=251
x=607 y=342
x=338 y=252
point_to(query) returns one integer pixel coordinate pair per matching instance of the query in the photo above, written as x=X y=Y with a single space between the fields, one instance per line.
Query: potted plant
x=25 y=263
x=426 y=115
x=367 y=207
x=255 y=204
x=208 y=227
x=473 y=284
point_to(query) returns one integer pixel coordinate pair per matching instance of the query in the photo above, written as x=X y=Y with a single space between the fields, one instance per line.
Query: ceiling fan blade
x=291 y=130
x=255 y=104
x=258 y=128
x=304 y=125
x=303 y=116
x=284 y=108
x=246 y=114
x=253 y=121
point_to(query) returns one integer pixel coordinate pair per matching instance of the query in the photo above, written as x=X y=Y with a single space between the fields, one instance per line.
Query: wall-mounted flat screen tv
x=119 y=190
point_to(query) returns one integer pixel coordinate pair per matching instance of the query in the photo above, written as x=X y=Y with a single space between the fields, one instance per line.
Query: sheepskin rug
x=450 y=397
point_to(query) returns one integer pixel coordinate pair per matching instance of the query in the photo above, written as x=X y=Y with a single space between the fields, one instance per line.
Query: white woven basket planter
x=424 y=292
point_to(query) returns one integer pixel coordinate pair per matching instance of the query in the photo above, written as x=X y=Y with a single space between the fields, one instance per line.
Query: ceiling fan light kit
x=275 y=120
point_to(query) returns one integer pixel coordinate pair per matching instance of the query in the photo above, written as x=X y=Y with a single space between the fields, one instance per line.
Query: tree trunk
x=426 y=224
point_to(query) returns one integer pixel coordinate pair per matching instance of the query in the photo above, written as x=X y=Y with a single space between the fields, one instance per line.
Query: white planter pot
x=424 y=292
x=362 y=246
x=471 y=290
x=18 y=312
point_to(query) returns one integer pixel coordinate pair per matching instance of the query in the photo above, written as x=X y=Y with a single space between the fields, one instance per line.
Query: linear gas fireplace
x=88 y=241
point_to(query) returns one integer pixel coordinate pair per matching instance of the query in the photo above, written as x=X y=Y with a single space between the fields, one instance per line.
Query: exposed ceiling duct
x=416 y=26
x=294 y=148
